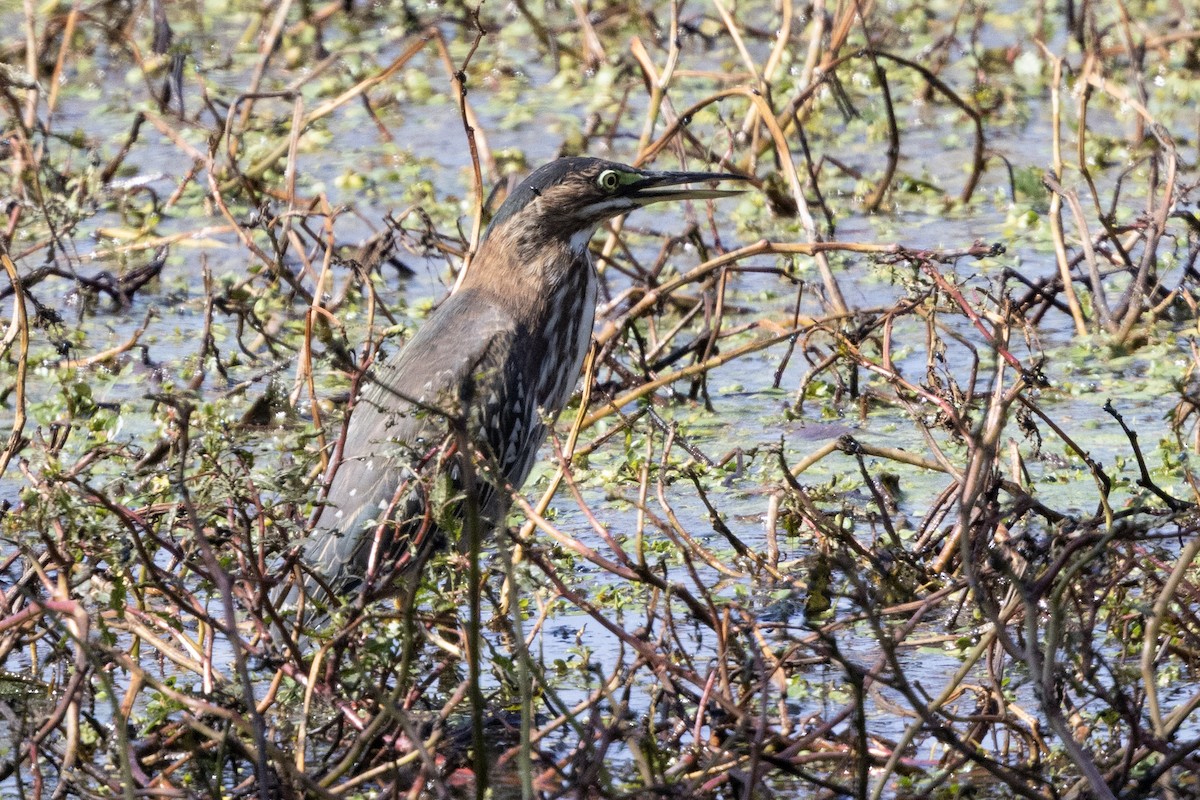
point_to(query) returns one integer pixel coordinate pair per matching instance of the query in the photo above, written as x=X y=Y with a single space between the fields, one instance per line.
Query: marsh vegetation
x=879 y=483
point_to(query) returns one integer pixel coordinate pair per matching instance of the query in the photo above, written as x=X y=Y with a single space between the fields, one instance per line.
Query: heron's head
x=567 y=199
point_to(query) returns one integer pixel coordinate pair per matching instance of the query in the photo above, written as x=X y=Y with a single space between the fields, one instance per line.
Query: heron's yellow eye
x=608 y=180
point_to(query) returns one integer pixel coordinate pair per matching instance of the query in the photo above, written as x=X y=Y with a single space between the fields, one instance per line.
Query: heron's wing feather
x=397 y=426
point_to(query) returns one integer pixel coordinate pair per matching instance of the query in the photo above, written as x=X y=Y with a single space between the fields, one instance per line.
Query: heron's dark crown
x=567 y=196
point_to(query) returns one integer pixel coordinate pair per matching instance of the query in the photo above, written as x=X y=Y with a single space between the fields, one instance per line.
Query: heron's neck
x=527 y=272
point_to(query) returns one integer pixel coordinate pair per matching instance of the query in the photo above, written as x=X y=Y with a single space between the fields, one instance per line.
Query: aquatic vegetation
x=878 y=484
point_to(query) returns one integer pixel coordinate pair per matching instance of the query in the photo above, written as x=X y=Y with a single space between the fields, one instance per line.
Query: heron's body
x=490 y=366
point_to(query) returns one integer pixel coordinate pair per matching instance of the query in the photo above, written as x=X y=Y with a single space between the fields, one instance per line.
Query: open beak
x=658 y=186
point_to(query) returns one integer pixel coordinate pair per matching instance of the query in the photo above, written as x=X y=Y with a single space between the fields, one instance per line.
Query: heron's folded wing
x=397 y=423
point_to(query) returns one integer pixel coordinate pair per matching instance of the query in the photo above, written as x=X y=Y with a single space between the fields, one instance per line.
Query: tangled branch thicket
x=921 y=578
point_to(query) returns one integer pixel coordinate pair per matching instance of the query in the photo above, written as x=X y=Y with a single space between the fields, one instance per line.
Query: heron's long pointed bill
x=659 y=186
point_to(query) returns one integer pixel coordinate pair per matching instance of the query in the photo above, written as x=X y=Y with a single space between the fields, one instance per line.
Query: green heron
x=489 y=368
